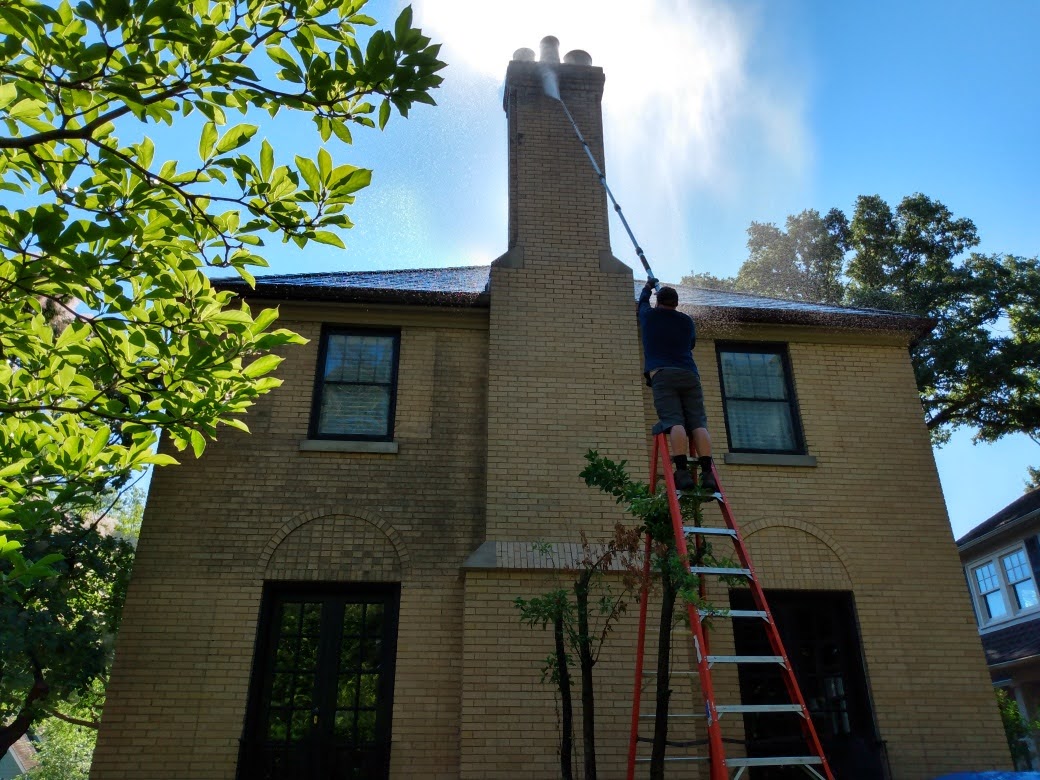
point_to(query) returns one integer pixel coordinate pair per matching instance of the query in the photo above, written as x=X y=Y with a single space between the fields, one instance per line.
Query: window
x=321 y=696
x=356 y=388
x=1004 y=586
x=758 y=399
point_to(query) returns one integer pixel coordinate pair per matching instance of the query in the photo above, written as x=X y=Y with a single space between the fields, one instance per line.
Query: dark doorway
x=819 y=632
x=321 y=694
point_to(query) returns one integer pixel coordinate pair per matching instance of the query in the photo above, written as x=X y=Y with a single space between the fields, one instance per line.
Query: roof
x=1013 y=643
x=464 y=286
x=1019 y=509
x=468 y=285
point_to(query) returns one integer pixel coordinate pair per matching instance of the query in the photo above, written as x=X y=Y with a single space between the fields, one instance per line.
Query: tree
x=572 y=611
x=117 y=239
x=1034 y=479
x=803 y=263
x=57 y=632
x=980 y=366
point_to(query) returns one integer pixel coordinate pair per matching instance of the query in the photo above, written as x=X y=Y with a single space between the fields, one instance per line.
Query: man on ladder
x=668 y=340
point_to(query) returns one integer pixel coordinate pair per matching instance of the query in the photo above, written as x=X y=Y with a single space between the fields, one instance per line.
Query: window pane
x=355 y=358
x=753 y=375
x=1016 y=566
x=357 y=410
x=995 y=605
x=986 y=576
x=755 y=425
x=1025 y=594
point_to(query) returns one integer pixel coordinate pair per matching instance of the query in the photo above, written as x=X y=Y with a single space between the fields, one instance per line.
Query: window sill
x=339 y=445
x=768 y=459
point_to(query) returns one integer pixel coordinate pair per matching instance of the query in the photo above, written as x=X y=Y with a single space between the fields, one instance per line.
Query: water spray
x=551 y=87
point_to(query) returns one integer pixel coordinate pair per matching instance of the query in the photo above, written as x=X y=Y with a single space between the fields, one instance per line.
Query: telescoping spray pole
x=551 y=87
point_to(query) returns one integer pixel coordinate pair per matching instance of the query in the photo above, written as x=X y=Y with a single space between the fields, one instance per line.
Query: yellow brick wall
x=257 y=508
x=495 y=412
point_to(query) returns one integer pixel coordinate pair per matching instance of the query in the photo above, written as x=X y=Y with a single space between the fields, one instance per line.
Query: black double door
x=820 y=635
x=321 y=695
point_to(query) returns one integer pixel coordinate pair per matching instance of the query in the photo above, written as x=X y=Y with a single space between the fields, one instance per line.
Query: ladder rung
x=671 y=674
x=777 y=761
x=745 y=659
x=674 y=758
x=738 y=708
x=675 y=715
x=733 y=613
x=723 y=570
x=697 y=529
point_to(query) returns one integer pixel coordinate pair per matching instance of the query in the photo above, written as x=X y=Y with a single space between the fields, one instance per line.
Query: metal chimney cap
x=524 y=55
x=550 y=49
x=577 y=57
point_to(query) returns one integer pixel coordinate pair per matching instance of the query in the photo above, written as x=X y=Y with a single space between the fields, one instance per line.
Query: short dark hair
x=667 y=296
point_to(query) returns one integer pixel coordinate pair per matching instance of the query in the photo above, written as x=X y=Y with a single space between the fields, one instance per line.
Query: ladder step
x=777 y=761
x=674 y=758
x=723 y=570
x=739 y=708
x=745 y=659
x=697 y=529
x=733 y=613
x=675 y=715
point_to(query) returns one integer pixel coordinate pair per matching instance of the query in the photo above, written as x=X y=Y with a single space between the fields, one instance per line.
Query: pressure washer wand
x=551 y=87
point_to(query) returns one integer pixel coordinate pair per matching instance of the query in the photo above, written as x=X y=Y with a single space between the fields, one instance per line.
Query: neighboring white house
x=1001 y=558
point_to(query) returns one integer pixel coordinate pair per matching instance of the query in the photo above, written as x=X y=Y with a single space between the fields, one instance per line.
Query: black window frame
x=762 y=348
x=276 y=593
x=327 y=331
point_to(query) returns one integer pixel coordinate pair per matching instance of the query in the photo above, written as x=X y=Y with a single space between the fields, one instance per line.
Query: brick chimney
x=564 y=359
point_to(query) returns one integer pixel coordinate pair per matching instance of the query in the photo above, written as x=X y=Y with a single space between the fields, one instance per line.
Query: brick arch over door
x=796 y=555
x=331 y=545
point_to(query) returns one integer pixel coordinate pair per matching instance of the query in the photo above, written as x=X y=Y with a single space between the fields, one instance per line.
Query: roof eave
x=290 y=292
x=916 y=327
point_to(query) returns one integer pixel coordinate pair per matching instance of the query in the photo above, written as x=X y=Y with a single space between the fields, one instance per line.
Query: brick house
x=1001 y=558
x=347 y=571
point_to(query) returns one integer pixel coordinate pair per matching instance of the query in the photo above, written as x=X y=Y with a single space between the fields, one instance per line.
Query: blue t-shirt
x=668 y=336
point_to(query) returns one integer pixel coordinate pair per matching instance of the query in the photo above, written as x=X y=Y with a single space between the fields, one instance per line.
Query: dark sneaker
x=684 y=480
x=708 y=483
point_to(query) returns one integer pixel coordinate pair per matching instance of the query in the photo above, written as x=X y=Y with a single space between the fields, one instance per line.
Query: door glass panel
x=322 y=686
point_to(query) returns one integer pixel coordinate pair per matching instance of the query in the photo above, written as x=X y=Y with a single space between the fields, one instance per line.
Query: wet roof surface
x=1017 y=509
x=467 y=286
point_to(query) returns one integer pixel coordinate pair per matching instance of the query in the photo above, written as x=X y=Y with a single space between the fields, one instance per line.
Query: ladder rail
x=718 y=767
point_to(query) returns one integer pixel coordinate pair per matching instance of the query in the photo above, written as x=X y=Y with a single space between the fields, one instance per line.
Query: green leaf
x=207 y=140
x=266 y=160
x=328 y=237
x=198 y=442
x=237 y=136
x=384 y=113
x=262 y=365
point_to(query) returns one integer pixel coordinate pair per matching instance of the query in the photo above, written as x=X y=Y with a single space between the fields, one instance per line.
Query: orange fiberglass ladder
x=814 y=762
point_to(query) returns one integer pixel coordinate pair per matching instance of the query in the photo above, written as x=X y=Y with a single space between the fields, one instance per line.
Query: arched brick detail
x=791 y=560
x=325 y=560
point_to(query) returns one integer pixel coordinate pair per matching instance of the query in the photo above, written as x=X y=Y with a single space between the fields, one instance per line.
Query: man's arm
x=644 y=298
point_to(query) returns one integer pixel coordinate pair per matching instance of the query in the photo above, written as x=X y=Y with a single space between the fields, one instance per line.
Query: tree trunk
x=14 y=730
x=567 y=714
x=586 y=662
x=664 y=652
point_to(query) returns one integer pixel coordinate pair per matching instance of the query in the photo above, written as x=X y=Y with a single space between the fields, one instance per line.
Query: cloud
x=689 y=113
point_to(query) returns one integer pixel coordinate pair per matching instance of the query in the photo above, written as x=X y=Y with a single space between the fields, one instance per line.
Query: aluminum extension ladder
x=814 y=763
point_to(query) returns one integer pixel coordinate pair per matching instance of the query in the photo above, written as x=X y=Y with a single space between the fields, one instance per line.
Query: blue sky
x=717 y=114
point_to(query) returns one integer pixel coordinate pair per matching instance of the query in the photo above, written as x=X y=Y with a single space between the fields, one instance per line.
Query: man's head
x=667 y=297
